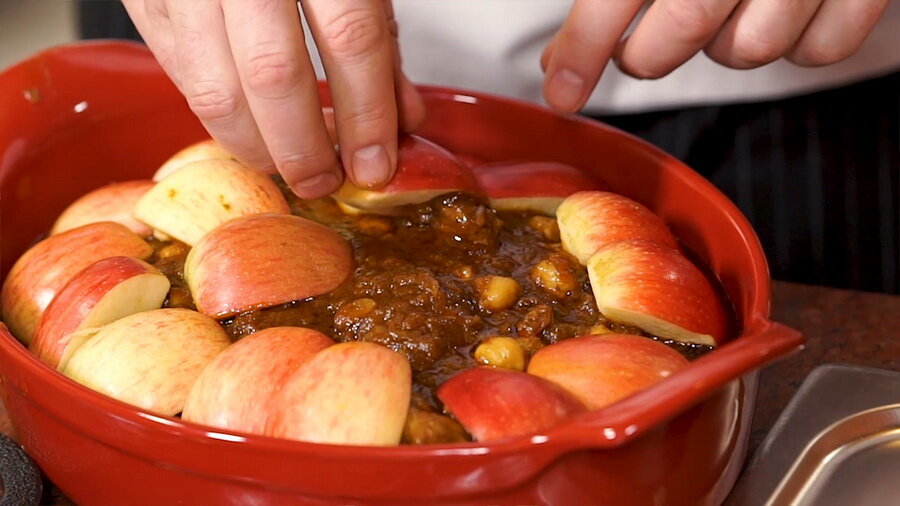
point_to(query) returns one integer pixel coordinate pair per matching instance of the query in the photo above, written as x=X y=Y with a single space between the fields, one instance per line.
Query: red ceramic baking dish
x=79 y=116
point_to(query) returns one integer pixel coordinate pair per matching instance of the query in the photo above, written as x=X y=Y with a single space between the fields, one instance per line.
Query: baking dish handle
x=620 y=423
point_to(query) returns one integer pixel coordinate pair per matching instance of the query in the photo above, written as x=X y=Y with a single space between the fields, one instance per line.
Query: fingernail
x=565 y=89
x=317 y=186
x=371 y=166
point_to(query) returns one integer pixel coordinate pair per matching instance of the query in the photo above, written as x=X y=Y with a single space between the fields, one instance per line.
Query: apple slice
x=590 y=220
x=657 y=289
x=532 y=186
x=103 y=292
x=265 y=260
x=235 y=391
x=203 y=150
x=495 y=403
x=354 y=393
x=150 y=359
x=602 y=369
x=202 y=195
x=113 y=202
x=424 y=171
x=44 y=269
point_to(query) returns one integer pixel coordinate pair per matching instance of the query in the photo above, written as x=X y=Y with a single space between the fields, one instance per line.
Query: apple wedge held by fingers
x=150 y=359
x=264 y=260
x=353 y=393
x=43 y=270
x=103 y=292
x=203 y=150
x=496 y=403
x=600 y=370
x=201 y=195
x=113 y=202
x=424 y=171
x=657 y=289
x=235 y=391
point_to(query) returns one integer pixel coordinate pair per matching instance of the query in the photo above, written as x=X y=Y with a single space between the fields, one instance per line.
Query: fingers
x=209 y=80
x=837 y=31
x=762 y=31
x=355 y=43
x=280 y=85
x=669 y=34
x=581 y=49
x=156 y=31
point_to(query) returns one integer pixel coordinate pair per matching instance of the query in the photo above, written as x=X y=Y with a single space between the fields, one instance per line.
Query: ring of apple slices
x=101 y=320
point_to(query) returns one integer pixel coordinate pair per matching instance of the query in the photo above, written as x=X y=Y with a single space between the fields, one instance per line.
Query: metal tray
x=836 y=443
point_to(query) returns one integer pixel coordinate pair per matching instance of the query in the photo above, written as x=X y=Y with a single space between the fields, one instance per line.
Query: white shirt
x=495 y=46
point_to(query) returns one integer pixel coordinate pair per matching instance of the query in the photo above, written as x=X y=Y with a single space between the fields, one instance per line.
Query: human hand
x=245 y=70
x=740 y=34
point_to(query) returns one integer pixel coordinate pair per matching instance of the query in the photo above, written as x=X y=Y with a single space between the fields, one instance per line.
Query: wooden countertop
x=840 y=326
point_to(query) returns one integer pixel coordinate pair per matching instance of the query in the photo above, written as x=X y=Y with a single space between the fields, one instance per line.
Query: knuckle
x=819 y=53
x=354 y=33
x=371 y=113
x=304 y=163
x=212 y=102
x=754 y=49
x=272 y=73
x=695 y=21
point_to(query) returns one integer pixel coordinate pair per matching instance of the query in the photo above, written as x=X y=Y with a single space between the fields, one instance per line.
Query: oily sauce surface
x=419 y=288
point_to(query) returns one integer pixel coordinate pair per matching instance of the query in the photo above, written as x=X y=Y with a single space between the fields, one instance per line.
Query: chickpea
x=554 y=275
x=546 y=226
x=505 y=352
x=497 y=292
x=531 y=344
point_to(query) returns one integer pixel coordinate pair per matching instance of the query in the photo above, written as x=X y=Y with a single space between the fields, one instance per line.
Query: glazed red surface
x=82 y=116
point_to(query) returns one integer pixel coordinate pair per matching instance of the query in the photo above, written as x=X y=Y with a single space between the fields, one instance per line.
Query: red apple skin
x=424 y=171
x=43 y=270
x=354 y=393
x=204 y=150
x=113 y=202
x=496 y=403
x=656 y=288
x=148 y=359
x=591 y=220
x=235 y=390
x=602 y=369
x=83 y=302
x=264 y=260
x=532 y=186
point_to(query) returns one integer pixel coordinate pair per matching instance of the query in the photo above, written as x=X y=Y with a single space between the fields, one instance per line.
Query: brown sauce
x=417 y=289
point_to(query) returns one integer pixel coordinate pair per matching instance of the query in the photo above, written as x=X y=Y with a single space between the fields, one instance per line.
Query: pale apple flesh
x=39 y=274
x=353 y=393
x=657 y=289
x=202 y=195
x=603 y=369
x=532 y=186
x=591 y=220
x=113 y=202
x=265 y=260
x=103 y=292
x=424 y=171
x=494 y=403
x=150 y=359
x=235 y=390
x=204 y=150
